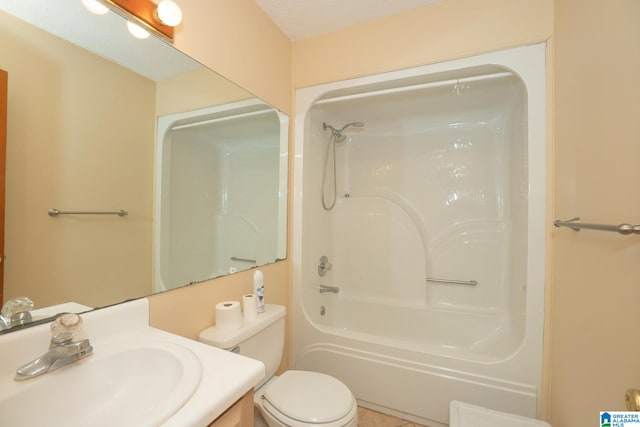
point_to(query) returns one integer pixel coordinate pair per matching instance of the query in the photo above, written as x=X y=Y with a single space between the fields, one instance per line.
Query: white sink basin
x=137 y=376
x=124 y=384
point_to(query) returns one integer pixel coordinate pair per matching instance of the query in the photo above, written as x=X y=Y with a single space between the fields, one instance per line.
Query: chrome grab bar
x=55 y=212
x=575 y=225
x=455 y=282
x=235 y=258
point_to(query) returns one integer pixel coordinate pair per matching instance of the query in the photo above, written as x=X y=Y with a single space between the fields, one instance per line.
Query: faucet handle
x=67 y=327
x=323 y=266
x=15 y=306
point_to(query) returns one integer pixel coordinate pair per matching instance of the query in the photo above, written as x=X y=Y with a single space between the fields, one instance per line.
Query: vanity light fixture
x=159 y=18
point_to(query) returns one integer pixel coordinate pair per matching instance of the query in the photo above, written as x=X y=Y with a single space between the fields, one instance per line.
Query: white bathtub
x=476 y=336
x=445 y=180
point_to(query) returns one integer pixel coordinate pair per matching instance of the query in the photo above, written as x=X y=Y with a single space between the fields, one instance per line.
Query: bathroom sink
x=136 y=384
x=136 y=376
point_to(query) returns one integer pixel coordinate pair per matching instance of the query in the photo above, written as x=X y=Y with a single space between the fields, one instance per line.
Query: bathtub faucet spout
x=332 y=289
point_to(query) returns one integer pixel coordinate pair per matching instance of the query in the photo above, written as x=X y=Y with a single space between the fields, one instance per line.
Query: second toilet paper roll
x=228 y=316
x=249 y=307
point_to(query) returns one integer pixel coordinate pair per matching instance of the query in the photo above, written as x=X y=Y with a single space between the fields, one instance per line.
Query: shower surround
x=436 y=238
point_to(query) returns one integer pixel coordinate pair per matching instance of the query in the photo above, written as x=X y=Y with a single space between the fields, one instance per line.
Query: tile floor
x=369 y=418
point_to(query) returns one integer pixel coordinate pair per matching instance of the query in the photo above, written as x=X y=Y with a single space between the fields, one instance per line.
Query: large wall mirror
x=99 y=121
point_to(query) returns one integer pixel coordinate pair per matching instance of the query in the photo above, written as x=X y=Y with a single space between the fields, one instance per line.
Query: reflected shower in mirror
x=82 y=137
x=218 y=174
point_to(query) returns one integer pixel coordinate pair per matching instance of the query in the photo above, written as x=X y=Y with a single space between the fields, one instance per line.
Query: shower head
x=337 y=133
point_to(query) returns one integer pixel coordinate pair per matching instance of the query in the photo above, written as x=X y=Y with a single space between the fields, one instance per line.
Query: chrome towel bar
x=576 y=225
x=55 y=212
x=455 y=282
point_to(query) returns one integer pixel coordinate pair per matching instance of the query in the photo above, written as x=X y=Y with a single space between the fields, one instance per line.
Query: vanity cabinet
x=240 y=414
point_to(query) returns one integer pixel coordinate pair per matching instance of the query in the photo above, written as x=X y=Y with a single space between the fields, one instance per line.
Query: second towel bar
x=575 y=225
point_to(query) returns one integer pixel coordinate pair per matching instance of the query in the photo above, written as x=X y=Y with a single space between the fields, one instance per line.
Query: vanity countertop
x=226 y=376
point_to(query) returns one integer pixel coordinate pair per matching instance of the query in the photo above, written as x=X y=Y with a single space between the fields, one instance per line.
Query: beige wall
x=65 y=150
x=442 y=31
x=596 y=290
x=195 y=89
x=239 y=41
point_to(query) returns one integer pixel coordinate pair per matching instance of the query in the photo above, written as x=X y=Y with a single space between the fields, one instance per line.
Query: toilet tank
x=261 y=338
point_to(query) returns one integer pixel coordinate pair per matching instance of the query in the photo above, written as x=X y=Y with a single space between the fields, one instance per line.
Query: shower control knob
x=323 y=266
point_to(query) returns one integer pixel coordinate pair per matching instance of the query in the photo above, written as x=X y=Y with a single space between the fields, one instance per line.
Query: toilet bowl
x=302 y=398
x=295 y=398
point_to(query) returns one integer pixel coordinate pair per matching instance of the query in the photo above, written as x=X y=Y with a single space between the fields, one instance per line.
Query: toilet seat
x=302 y=398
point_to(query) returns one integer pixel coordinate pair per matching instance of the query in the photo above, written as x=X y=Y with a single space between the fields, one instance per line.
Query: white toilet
x=295 y=398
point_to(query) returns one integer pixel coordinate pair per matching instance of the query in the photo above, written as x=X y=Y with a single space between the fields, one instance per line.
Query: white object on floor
x=463 y=414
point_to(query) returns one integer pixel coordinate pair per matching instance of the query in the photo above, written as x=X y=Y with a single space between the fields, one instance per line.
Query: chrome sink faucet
x=15 y=312
x=68 y=344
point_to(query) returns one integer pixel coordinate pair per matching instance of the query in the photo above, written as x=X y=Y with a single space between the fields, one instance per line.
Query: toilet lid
x=309 y=397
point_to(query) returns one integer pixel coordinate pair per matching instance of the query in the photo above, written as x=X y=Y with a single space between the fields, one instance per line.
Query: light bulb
x=169 y=13
x=95 y=7
x=137 y=31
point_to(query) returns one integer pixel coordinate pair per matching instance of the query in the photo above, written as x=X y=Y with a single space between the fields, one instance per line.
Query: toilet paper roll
x=249 y=307
x=228 y=316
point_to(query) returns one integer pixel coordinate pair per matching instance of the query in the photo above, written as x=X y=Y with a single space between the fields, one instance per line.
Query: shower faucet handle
x=324 y=265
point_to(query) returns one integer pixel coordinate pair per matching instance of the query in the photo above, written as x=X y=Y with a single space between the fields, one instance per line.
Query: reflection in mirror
x=82 y=136
x=219 y=207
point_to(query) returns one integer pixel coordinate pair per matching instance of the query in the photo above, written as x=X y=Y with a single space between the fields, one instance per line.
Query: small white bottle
x=258 y=285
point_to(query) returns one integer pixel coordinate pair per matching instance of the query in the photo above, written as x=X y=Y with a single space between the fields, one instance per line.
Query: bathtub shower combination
x=425 y=191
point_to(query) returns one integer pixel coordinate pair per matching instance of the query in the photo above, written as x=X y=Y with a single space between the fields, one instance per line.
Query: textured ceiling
x=301 y=19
